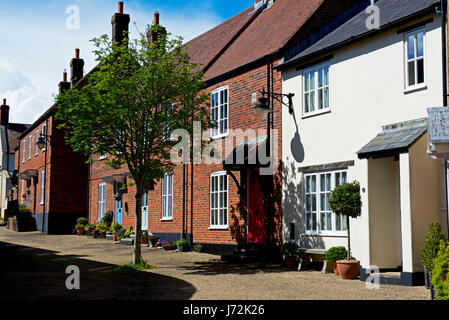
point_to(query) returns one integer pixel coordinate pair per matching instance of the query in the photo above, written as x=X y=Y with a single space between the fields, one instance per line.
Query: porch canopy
x=251 y=153
x=394 y=139
x=116 y=177
x=438 y=138
x=28 y=174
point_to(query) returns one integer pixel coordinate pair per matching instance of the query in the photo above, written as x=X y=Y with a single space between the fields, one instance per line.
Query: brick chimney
x=120 y=24
x=153 y=36
x=4 y=114
x=64 y=84
x=76 y=68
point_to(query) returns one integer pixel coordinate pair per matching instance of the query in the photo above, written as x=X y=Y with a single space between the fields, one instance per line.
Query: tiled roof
x=391 y=11
x=14 y=131
x=395 y=137
x=269 y=32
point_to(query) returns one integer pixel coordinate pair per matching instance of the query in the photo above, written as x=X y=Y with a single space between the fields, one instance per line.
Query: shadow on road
x=28 y=273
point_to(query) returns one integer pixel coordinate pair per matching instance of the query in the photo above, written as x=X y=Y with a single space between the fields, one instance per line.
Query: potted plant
x=335 y=254
x=430 y=250
x=116 y=227
x=169 y=246
x=345 y=200
x=102 y=229
x=89 y=228
x=80 y=229
x=144 y=237
x=153 y=241
x=440 y=272
x=289 y=251
x=117 y=197
x=80 y=225
x=108 y=217
x=181 y=244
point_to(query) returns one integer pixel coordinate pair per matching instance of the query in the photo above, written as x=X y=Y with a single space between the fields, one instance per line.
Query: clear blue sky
x=36 y=45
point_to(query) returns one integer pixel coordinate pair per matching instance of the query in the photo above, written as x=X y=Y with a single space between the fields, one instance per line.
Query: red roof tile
x=269 y=32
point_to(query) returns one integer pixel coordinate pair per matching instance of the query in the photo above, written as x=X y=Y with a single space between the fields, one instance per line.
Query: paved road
x=33 y=267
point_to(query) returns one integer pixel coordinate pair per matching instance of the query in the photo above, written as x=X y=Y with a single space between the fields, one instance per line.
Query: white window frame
x=24 y=149
x=30 y=144
x=215 y=109
x=214 y=220
x=37 y=138
x=415 y=59
x=44 y=134
x=42 y=186
x=315 y=71
x=23 y=191
x=167 y=197
x=318 y=207
x=101 y=200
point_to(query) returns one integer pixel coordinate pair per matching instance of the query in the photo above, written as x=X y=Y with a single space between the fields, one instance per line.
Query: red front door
x=255 y=209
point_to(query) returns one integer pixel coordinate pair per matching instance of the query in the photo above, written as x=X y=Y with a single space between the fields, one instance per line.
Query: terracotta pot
x=144 y=240
x=170 y=248
x=348 y=269
x=290 y=262
x=103 y=235
x=114 y=236
x=334 y=264
x=80 y=231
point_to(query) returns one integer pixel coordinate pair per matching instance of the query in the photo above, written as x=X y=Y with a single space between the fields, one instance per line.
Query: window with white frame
x=316 y=89
x=219 y=112
x=219 y=200
x=24 y=151
x=36 y=147
x=415 y=58
x=319 y=219
x=42 y=186
x=101 y=200
x=44 y=134
x=23 y=192
x=30 y=141
x=167 y=197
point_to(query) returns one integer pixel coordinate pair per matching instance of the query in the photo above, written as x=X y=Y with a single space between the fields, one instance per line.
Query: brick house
x=219 y=205
x=52 y=179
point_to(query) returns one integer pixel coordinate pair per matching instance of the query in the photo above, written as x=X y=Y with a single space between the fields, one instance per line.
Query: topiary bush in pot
x=289 y=251
x=440 y=271
x=335 y=254
x=346 y=200
x=430 y=250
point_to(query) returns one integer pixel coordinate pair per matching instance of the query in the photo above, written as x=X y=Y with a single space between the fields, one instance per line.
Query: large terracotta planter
x=114 y=236
x=143 y=240
x=334 y=265
x=348 y=269
x=290 y=262
x=80 y=231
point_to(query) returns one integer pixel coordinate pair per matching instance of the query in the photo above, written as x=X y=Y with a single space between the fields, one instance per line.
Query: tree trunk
x=137 y=256
x=349 y=239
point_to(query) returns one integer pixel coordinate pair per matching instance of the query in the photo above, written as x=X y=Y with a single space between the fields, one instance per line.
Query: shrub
x=128 y=234
x=116 y=227
x=79 y=226
x=24 y=209
x=108 y=218
x=336 y=253
x=82 y=220
x=102 y=227
x=431 y=245
x=144 y=234
x=289 y=248
x=440 y=271
x=197 y=248
x=180 y=243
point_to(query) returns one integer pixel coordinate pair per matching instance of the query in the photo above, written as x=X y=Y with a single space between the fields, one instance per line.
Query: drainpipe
x=45 y=175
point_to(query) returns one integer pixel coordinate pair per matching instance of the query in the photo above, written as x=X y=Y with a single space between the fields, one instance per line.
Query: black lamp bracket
x=280 y=97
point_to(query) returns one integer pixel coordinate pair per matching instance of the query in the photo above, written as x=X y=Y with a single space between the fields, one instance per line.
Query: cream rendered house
x=360 y=113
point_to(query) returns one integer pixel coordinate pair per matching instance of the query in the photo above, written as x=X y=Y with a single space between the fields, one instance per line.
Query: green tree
x=139 y=92
x=346 y=200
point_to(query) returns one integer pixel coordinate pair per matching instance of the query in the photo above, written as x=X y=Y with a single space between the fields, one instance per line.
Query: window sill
x=314 y=114
x=220 y=136
x=335 y=235
x=416 y=88
x=219 y=228
x=167 y=219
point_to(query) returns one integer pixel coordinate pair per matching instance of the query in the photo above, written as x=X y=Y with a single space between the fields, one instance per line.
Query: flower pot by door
x=334 y=265
x=290 y=262
x=348 y=269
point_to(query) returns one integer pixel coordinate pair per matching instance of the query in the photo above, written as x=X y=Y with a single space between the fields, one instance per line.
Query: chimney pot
x=156 y=18
x=77 y=53
x=4 y=114
x=120 y=7
x=64 y=76
x=4 y=102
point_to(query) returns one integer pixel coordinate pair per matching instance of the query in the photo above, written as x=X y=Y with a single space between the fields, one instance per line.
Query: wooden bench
x=307 y=256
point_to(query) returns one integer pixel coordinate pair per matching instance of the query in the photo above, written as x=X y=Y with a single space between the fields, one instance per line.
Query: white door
x=145 y=211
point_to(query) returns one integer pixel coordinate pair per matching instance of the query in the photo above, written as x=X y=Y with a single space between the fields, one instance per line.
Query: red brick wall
x=241 y=116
